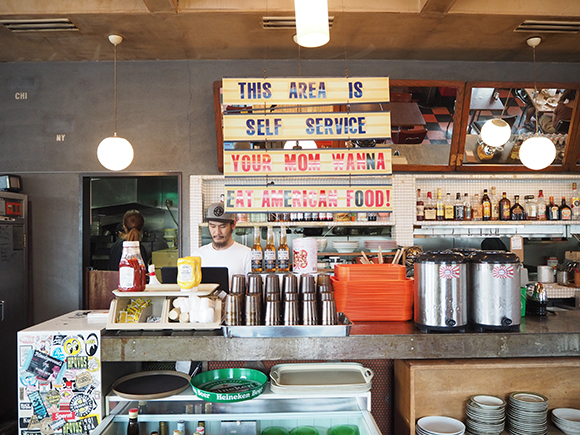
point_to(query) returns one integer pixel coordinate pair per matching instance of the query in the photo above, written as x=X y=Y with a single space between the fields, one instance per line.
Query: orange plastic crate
x=382 y=300
x=346 y=272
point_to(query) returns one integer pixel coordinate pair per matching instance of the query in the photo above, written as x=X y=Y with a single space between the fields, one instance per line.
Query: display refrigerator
x=59 y=375
x=14 y=292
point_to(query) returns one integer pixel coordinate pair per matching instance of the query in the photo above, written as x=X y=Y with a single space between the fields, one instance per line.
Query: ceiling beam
x=437 y=6
x=161 y=5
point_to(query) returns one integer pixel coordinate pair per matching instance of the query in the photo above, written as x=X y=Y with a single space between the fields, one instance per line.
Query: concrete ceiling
x=472 y=30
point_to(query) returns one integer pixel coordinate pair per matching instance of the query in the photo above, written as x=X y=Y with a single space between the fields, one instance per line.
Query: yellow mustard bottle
x=188 y=272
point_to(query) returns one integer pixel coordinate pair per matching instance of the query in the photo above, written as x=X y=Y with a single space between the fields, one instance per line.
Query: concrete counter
x=557 y=335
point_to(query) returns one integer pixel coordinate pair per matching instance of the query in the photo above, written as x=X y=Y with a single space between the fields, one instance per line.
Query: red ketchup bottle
x=132 y=273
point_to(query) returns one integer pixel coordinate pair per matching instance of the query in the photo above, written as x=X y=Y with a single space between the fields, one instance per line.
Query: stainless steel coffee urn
x=441 y=292
x=494 y=291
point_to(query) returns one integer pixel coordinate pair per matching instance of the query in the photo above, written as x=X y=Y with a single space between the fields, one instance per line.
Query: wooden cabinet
x=442 y=387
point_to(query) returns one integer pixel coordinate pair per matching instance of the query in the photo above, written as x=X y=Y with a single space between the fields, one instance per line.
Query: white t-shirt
x=237 y=258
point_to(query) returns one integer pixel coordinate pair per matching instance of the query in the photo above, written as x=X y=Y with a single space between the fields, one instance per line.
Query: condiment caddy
x=158 y=308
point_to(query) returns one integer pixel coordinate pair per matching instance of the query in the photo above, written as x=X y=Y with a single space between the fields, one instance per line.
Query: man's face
x=221 y=233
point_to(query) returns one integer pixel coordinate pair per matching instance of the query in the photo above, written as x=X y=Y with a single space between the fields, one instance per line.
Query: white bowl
x=321 y=244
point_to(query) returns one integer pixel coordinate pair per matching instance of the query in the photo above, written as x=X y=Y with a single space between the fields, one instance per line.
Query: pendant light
x=311 y=23
x=115 y=153
x=496 y=132
x=537 y=152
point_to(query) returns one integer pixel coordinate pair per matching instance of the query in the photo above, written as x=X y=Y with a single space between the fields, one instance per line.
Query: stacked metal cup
x=326 y=301
x=309 y=300
x=291 y=311
x=253 y=302
x=234 y=302
x=272 y=310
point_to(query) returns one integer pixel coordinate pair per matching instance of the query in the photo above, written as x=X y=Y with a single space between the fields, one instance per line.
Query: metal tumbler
x=289 y=283
x=272 y=311
x=233 y=309
x=254 y=283
x=328 y=315
x=238 y=284
x=309 y=309
x=307 y=283
x=291 y=309
x=253 y=304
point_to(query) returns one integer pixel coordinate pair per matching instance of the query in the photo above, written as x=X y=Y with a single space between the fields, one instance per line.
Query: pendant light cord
x=535 y=90
x=115 y=89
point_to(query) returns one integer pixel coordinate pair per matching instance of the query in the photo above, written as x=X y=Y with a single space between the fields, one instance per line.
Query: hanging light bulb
x=537 y=152
x=115 y=153
x=311 y=23
x=495 y=132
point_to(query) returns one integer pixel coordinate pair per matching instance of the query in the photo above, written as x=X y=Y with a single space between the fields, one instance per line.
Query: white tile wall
x=207 y=189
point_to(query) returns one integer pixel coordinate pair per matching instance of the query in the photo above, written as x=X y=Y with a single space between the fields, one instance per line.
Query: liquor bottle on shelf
x=449 y=208
x=459 y=209
x=270 y=252
x=552 y=210
x=505 y=208
x=485 y=206
x=542 y=215
x=181 y=427
x=283 y=252
x=575 y=202
x=257 y=252
x=494 y=205
x=163 y=430
x=517 y=211
x=565 y=211
x=531 y=208
x=133 y=425
x=430 y=209
x=315 y=216
x=476 y=212
x=467 y=212
x=420 y=207
x=440 y=206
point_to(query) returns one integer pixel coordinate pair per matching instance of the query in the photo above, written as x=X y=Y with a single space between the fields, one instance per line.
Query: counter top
x=556 y=335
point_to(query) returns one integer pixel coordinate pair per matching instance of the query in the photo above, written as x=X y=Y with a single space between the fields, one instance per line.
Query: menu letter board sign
x=354 y=198
x=330 y=161
x=306 y=126
x=305 y=90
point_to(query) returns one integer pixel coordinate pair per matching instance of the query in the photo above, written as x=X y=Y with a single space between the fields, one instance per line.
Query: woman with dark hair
x=133 y=223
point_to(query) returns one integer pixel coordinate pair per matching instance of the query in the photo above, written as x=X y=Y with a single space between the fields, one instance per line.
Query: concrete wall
x=165 y=109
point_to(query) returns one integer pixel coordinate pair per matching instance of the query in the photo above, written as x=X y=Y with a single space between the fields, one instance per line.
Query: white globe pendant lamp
x=115 y=153
x=312 y=28
x=537 y=152
x=495 y=132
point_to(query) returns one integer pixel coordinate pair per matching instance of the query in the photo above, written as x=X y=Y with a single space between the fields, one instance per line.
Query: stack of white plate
x=527 y=414
x=485 y=415
x=345 y=246
x=567 y=420
x=386 y=245
x=439 y=425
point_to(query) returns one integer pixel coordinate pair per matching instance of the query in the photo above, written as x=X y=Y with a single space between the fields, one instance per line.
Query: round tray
x=151 y=385
x=229 y=385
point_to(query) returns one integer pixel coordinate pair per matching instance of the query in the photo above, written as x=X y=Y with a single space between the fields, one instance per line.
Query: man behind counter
x=224 y=251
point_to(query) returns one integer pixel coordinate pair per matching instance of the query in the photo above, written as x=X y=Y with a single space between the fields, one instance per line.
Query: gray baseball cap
x=216 y=212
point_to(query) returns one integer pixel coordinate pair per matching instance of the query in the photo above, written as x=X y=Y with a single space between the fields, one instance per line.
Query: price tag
x=517 y=246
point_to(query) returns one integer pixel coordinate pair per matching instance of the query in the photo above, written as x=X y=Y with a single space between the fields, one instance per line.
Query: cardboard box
x=572 y=255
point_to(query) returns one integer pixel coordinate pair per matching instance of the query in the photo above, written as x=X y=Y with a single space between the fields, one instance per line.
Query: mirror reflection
x=501 y=119
x=422 y=124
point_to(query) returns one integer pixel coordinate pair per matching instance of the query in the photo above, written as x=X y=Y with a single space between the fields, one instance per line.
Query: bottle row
x=270 y=258
x=133 y=425
x=311 y=217
x=491 y=207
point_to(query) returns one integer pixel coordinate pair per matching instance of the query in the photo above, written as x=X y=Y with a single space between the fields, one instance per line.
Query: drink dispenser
x=441 y=292
x=494 y=291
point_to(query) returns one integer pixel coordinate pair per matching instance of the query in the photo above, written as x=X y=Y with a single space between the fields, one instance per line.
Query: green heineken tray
x=229 y=385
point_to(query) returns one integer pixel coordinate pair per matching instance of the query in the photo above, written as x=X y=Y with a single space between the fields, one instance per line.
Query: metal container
x=545 y=274
x=494 y=291
x=441 y=292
